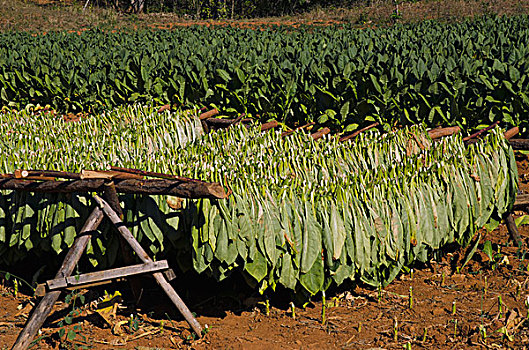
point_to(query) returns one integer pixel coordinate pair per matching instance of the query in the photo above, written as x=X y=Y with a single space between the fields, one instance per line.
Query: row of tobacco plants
x=304 y=214
x=470 y=73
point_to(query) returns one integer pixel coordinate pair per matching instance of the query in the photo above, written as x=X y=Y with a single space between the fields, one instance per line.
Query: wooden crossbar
x=106 y=275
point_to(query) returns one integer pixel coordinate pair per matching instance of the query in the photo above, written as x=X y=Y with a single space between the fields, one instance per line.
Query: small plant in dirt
x=14 y=282
x=71 y=336
x=494 y=257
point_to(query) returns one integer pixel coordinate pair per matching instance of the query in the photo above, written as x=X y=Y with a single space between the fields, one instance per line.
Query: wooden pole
x=509 y=134
x=177 y=188
x=519 y=144
x=441 y=132
x=160 y=279
x=477 y=133
x=521 y=202
x=358 y=132
x=320 y=133
x=286 y=133
x=513 y=230
x=269 y=125
x=41 y=312
x=208 y=114
x=127 y=258
x=154 y=174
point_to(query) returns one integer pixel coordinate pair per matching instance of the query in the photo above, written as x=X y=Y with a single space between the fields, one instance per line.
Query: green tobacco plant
x=467 y=74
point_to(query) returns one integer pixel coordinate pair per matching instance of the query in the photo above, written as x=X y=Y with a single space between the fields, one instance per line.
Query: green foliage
x=466 y=74
x=304 y=214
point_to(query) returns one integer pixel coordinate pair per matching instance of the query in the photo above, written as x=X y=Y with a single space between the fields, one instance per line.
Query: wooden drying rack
x=108 y=183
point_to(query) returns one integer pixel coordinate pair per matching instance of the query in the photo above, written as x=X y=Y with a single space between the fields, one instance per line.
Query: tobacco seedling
x=395 y=330
x=500 y=306
x=483 y=332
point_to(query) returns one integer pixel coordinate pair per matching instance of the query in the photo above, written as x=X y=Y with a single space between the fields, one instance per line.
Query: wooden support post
x=513 y=230
x=160 y=279
x=41 y=312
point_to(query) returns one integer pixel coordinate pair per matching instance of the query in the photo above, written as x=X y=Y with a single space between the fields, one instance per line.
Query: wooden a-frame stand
x=63 y=278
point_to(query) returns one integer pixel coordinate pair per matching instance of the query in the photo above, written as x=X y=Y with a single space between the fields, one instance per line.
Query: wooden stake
x=513 y=230
x=160 y=279
x=41 y=312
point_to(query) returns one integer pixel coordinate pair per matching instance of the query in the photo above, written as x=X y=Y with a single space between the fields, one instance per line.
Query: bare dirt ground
x=481 y=306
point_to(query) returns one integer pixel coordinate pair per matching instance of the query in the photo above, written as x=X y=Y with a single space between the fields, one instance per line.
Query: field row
x=468 y=74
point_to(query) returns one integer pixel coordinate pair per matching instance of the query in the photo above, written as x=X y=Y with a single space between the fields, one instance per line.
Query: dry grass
x=380 y=11
x=49 y=15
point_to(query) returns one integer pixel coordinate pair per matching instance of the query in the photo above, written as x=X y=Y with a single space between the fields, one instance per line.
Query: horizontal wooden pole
x=105 y=275
x=270 y=125
x=148 y=187
x=509 y=134
x=320 y=133
x=519 y=144
x=441 y=132
x=521 y=202
x=358 y=132
x=208 y=114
